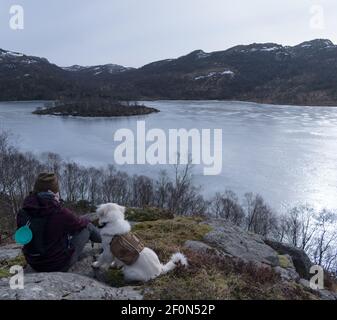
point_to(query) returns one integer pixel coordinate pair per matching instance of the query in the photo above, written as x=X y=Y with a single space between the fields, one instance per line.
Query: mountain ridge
x=304 y=74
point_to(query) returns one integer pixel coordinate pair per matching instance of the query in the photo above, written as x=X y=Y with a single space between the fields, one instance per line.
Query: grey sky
x=136 y=32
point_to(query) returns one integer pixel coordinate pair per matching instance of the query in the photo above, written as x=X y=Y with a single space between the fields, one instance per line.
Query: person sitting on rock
x=59 y=236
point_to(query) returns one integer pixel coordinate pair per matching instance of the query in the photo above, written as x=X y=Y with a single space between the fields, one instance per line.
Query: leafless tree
x=326 y=236
x=52 y=162
x=300 y=226
x=227 y=206
x=184 y=197
x=70 y=180
x=143 y=191
x=95 y=178
x=162 y=187
x=115 y=186
x=259 y=216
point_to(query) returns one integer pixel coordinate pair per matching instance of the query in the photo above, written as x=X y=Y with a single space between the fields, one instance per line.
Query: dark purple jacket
x=61 y=223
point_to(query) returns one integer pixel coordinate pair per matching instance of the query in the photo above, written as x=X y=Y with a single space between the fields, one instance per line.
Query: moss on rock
x=115 y=278
x=285 y=262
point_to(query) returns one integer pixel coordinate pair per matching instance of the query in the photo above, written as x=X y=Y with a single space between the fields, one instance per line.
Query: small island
x=94 y=108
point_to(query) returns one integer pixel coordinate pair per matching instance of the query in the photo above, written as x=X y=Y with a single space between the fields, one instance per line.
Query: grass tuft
x=147 y=214
x=7 y=264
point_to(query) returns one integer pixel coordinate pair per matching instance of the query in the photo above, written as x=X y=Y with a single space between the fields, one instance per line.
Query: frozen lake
x=285 y=153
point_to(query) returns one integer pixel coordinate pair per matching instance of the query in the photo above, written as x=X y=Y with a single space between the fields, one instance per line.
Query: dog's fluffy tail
x=177 y=258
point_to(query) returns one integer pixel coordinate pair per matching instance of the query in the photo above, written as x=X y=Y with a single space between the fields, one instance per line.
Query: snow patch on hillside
x=215 y=74
x=202 y=54
x=10 y=54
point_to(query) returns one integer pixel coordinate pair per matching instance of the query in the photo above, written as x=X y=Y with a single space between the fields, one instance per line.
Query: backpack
x=126 y=248
x=37 y=224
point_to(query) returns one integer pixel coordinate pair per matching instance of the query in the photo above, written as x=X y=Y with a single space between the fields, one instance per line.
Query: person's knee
x=81 y=238
x=95 y=234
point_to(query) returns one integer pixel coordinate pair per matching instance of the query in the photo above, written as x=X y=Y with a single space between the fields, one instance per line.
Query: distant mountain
x=98 y=70
x=305 y=74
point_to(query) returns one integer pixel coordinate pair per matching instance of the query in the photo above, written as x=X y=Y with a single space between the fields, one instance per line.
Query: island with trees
x=94 y=108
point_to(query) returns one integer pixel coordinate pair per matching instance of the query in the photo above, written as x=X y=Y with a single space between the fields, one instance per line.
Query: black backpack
x=37 y=247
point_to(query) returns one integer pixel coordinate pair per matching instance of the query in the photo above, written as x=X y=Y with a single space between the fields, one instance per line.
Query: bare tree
x=259 y=216
x=95 y=177
x=184 y=197
x=115 y=186
x=162 y=187
x=143 y=191
x=326 y=236
x=227 y=206
x=52 y=162
x=70 y=181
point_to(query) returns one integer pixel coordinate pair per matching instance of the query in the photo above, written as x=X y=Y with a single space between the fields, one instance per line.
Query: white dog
x=147 y=266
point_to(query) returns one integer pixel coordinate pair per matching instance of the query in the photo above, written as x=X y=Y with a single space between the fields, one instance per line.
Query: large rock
x=64 y=286
x=82 y=282
x=84 y=266
x=235 y=242
x=300 y=258
x=88 y=256
x=287 y=274
x=199 y=247
x=10 y=252
x=324 y=294
x=287 y=270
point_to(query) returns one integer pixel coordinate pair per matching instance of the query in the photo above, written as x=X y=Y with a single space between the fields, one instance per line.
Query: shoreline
x=196 y=100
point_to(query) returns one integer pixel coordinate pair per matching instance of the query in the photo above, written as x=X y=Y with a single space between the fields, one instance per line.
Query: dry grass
x=7 y=264
x=147 y=214
x=208 y=275
x=330 y=281
x=167 y=236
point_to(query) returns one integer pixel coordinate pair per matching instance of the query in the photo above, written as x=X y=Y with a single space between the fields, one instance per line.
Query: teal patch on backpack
x=24 y=235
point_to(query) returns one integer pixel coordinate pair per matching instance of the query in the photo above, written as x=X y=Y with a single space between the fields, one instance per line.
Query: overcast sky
x=136 y=32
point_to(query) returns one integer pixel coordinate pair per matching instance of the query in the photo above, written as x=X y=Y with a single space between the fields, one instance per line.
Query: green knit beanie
x=46 y=181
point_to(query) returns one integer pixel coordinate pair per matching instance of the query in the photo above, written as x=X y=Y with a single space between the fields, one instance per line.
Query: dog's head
x=109 y=213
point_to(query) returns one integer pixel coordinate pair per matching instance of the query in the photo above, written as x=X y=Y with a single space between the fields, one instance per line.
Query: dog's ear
x=102 y=209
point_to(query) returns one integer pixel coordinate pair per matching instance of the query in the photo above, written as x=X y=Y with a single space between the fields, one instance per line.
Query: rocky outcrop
x=287 y=270
x=300 y=258
x=82 y=282
x=200 y=247
x=324 y=294
x=232 y=241
x=64 y=286
x=10 y=252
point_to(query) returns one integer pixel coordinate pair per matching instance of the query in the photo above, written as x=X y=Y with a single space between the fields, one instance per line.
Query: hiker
x=59 y=236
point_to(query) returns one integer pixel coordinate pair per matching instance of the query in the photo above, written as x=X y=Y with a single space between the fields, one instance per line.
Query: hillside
x=225 y=263
x=304 y=74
